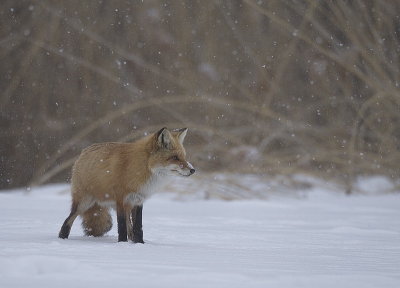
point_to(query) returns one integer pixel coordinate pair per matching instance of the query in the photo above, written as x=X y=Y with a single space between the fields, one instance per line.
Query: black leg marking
x=64 y=232
x=66 y=227
x=137 y=224
x=121 y=219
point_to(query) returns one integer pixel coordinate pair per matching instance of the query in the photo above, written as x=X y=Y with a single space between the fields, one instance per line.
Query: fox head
x=169 y=156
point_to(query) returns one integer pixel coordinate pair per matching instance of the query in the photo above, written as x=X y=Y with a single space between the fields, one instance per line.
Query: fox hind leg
x=77 y=208
x=66 y=227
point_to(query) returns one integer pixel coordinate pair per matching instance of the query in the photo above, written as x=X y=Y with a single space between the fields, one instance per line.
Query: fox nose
x=192 y=171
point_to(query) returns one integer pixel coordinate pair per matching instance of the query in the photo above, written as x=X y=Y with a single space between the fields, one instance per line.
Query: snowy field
x=314 y=237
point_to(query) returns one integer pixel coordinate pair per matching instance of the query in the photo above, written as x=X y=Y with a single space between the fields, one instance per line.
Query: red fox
x=123 y=176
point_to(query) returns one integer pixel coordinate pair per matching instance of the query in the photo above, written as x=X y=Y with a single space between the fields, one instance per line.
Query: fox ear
x=182 y=134
x=163 y=138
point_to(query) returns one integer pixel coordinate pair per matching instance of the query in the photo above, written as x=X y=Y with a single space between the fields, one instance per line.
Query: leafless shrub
x=272 y=87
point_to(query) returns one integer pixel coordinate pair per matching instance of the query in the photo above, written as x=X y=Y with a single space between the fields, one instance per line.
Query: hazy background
x=267 y=87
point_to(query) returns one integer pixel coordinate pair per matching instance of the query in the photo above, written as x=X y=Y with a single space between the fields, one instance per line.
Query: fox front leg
x=121 y=219
x=137 y=224
x=129 y=224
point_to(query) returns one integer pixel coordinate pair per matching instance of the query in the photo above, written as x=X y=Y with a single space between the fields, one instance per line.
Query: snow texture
x=324 y=239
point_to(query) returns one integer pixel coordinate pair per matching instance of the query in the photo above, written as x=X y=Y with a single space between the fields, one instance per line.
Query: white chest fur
x=152 y=186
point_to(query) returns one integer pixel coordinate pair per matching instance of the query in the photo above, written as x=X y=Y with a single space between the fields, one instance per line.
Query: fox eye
x=175 y=158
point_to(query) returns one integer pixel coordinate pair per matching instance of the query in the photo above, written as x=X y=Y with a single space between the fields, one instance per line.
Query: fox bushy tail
x=96 y=221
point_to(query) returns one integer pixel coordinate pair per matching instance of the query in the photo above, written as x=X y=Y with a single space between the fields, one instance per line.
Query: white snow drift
x=322 y=239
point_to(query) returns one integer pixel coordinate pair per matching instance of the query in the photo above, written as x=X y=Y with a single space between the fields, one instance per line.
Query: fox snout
x=192 y=170
x=183 y=169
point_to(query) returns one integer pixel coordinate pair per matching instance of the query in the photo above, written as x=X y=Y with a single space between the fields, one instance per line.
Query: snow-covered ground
x=321 y=239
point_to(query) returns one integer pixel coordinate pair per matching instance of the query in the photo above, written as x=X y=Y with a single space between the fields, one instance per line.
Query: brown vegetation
x=264 y=86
